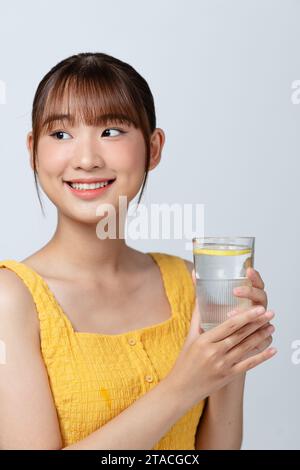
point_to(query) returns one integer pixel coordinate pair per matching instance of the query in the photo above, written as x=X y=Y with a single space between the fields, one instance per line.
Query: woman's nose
x=88 y=155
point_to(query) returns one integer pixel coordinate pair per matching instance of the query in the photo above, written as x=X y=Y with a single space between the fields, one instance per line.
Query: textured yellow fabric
x=94 y=376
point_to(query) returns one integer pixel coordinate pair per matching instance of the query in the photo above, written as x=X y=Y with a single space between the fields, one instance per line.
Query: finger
x=260 y=347
x=235 y=339
x=196 y=318
x=257 y=295
x=197 y=303
x=253 y=361
x=228 y=327
x=249 y=344
x=194 y=276
x=255 y=278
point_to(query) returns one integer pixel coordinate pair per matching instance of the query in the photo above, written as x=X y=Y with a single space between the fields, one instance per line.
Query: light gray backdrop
x=221 y=73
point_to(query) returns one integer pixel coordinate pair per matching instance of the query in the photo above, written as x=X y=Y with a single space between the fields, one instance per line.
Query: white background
x=221 y=74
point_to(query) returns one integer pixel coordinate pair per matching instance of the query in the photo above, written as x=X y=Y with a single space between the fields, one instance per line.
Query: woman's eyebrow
x=102 y=119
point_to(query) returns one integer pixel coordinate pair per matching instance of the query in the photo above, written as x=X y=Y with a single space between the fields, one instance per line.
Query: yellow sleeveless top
x=94 y=376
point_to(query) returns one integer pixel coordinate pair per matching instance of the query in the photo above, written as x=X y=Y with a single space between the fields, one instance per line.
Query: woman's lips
x=88 y=193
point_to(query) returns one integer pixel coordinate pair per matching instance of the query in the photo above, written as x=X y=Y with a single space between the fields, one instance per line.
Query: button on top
x=149 y=378
x=132 y=341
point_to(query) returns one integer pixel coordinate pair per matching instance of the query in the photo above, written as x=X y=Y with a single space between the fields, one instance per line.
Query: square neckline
x=156 y=257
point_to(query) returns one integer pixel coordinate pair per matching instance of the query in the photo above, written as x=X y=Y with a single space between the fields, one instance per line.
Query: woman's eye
x=59 y=133
x=112 y=129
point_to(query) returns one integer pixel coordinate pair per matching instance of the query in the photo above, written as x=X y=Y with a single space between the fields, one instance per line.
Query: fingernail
x=272 y=351
x=270 y=329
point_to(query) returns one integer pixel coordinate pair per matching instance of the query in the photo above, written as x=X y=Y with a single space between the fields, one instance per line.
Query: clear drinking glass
x=220 y=265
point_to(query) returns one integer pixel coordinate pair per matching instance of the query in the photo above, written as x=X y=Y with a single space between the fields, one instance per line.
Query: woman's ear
x=29 y=143
x=156 y=145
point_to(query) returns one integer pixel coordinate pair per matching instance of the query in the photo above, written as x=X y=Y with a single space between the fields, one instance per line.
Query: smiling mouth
x=89 y=186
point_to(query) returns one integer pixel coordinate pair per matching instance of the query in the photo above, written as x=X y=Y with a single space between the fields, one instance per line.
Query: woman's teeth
x=88 y=186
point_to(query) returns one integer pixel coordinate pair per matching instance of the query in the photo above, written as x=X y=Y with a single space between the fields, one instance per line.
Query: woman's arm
x=141 y=425
x=27 y=413
x=221 y=425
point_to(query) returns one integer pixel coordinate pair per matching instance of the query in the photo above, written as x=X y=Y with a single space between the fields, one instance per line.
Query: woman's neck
x=77 y=251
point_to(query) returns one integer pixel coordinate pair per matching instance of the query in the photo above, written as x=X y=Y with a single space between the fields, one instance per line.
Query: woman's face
x=85 y=152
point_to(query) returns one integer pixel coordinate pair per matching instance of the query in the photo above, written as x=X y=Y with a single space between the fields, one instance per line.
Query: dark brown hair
x=96 y=85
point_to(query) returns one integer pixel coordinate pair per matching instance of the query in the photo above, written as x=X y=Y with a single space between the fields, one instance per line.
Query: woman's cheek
x=53 y=164
x=51 y=172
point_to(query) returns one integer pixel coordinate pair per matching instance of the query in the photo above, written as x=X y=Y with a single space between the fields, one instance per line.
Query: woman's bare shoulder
x=16 y=303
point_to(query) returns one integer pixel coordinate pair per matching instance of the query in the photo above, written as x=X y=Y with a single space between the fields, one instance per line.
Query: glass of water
x=220 y=265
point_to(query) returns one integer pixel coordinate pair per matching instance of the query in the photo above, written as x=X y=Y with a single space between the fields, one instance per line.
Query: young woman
x=104 y=348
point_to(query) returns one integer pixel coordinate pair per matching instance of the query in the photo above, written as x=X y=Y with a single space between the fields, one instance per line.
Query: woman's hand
x=208 y=361
x=258 y=296
x=256 y=293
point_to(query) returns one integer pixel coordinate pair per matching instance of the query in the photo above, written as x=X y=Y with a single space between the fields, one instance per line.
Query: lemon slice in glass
x=209 y=251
